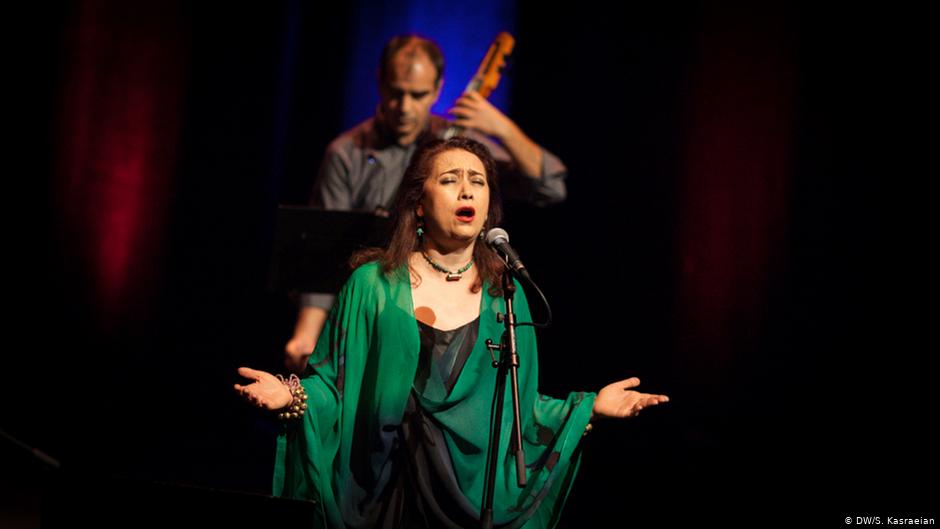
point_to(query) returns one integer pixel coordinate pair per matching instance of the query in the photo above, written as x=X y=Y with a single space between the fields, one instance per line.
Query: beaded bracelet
x=298 y=405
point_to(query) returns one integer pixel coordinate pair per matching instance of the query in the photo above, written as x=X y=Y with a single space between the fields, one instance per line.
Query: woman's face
x=456 y=197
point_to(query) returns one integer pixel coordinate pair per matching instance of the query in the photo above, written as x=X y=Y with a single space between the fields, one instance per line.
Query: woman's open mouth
x=466 y=214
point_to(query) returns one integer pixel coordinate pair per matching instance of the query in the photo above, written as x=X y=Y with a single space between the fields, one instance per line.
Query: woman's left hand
x=619 y=401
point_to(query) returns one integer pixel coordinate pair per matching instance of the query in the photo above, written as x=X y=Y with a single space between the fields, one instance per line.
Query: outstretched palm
x=265 y=391
x=619 y=401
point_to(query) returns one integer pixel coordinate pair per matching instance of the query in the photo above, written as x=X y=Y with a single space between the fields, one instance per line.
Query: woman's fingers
x=631 y=382
x=250 y=391
x=248 y=372
x=651 y=400
x=246 y=392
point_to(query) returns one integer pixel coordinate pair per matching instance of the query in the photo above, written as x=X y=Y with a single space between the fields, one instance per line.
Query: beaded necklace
x=451 y=276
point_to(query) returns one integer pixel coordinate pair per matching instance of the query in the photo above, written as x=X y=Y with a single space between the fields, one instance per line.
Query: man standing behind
x=363 y=167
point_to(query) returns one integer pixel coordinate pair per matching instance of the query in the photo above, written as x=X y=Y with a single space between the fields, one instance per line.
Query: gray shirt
x=362 y=169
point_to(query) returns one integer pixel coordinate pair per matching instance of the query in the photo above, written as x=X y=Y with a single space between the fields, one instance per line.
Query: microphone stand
x=508 y=364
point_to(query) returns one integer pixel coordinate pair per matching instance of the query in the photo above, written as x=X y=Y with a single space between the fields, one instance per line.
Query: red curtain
x=733 y=194
x=119 y=132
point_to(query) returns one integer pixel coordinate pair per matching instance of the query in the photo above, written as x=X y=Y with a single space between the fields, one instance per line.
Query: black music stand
x=312 y=247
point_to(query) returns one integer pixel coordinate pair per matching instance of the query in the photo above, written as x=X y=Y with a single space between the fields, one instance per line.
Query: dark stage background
x=746 y=230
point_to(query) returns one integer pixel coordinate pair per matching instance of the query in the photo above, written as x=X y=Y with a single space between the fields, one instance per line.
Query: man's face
x=408 y=93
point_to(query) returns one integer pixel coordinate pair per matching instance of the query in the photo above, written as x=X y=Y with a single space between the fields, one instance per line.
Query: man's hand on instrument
x=473 y=111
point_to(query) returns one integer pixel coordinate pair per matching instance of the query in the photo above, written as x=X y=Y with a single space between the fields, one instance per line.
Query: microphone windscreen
x=495 y=235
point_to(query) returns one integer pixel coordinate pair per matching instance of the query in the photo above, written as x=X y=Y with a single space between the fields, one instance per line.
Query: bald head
x=409 y=85
x=410 y=47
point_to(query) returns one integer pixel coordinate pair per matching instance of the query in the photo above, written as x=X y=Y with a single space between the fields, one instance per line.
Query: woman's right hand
x=265 y=390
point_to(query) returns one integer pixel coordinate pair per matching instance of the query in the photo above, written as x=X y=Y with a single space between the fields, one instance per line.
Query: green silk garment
x=359 y=380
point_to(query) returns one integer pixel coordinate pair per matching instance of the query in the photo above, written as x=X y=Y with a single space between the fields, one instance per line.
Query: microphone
x=498 y=239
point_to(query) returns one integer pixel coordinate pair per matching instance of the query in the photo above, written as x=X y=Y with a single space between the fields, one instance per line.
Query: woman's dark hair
x=393 y=46
x=404 y=217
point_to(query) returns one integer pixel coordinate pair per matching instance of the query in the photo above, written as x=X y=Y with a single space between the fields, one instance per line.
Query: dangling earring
x=420 y=229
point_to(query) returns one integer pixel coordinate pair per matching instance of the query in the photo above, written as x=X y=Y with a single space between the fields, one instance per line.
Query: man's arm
x=310 y=321
x=540 y=175
x=330 y=191
x=473 y=111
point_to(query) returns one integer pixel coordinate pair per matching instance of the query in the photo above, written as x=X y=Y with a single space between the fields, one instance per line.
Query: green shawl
x=358 y=382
